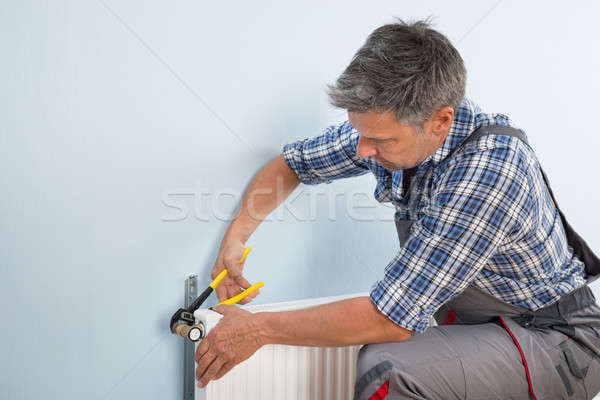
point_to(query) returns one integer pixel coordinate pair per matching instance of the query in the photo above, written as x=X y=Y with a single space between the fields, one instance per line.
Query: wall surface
x=129 y=128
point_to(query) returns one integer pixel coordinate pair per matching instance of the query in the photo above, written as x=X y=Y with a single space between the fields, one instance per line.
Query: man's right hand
x=234 y=283
x=276 y=178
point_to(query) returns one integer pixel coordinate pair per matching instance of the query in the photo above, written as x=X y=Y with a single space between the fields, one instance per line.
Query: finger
x=242 y=282
x=211 y=371
x=222 y=292
x=231 y=291
x=216 y=270
x=246 y=298
x=234 y=268
x=204 y=362
x=235 y=290
x=201 y=350
x=224 y=369
x=238 y=287
x=250 y=297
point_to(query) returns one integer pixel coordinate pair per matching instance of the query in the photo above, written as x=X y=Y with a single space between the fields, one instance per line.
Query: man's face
x=396 y=146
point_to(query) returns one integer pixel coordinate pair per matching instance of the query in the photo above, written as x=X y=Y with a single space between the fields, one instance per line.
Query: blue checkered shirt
x=482 y=217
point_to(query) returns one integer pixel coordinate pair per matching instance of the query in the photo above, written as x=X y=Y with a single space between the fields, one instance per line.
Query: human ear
x=441 y=121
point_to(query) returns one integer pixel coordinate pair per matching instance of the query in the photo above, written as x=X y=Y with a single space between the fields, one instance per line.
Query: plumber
x=483 y=247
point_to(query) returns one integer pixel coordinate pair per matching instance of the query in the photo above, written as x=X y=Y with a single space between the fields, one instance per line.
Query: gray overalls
x=484 y=348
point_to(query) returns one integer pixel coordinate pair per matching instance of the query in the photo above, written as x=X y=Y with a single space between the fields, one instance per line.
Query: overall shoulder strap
x=580 y=247
x=503 y=130
x=491 y=130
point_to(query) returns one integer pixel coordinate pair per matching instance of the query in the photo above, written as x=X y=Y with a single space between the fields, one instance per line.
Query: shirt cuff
x=392 y=301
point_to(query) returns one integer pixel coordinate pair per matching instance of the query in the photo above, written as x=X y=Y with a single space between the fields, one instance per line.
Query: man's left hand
x=235 y=338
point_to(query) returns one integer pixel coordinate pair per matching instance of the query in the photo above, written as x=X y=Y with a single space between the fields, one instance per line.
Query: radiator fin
x=291 y=373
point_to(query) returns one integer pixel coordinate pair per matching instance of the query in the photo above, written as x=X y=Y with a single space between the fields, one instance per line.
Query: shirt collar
x=462 y=125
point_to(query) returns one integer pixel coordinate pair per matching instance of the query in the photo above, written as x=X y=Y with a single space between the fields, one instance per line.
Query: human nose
x=364 y=149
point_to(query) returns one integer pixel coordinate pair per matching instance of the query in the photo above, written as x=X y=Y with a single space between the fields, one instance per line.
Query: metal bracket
x=189 y=378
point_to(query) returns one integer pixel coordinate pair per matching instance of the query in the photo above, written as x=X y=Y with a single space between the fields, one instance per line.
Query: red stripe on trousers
x=522 y=357
x=382 y=392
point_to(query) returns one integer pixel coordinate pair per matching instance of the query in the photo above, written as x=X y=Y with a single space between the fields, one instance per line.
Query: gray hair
x=406 y=68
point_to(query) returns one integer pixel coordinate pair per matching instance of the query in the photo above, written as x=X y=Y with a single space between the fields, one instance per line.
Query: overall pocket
x=574 y=369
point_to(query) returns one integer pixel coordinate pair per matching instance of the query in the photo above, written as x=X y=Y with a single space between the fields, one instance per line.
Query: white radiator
x=285 y=372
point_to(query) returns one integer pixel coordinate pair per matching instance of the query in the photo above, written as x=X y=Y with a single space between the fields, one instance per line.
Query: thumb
x=234 y=270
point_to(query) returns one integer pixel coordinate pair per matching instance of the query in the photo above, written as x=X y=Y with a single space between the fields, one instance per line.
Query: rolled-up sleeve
x=327 y=157
x=478 y=203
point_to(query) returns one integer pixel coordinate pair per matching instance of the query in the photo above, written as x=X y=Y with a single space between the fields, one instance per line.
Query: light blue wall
x=110 y=107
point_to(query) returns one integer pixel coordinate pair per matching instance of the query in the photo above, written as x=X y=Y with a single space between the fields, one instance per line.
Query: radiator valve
x=183 y=324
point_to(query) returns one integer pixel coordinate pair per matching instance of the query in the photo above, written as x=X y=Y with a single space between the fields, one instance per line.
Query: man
x=481 y=243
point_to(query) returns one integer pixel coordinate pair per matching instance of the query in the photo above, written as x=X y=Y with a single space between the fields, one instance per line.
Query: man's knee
x=373 y=370
x=368 y=357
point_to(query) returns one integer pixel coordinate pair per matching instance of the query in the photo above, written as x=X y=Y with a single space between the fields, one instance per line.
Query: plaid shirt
x=482 y=216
